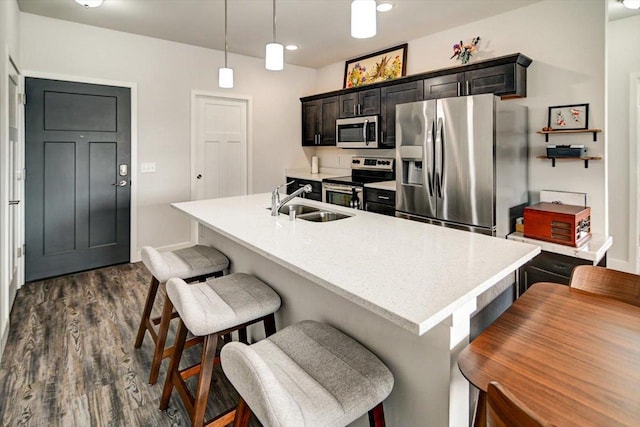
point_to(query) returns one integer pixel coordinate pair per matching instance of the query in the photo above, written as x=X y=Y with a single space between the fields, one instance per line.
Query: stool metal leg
x=174 y=365
x=145 y=322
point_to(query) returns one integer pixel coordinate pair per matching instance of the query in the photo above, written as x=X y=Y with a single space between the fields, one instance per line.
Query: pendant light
x=225 y=75
x=274 y=58
x=363 y=19
x=631 y=4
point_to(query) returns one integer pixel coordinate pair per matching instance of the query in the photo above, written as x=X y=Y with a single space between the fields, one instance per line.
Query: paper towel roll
x=314 y=164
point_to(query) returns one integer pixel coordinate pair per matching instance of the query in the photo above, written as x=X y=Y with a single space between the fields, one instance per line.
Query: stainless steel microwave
x=357 y=132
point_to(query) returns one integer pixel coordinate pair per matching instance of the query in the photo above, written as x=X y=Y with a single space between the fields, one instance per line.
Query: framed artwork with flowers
x=568 y=117
x=376 y=67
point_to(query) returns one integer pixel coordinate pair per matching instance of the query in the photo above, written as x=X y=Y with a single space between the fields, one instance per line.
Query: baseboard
x=138 y=256
x=620 y=265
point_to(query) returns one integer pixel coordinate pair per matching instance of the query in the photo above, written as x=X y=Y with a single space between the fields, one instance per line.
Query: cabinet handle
x=382 y=137
x=384 y=197
x=354 y=109
x=359 y=109
x=459 y=87
x=468 y=91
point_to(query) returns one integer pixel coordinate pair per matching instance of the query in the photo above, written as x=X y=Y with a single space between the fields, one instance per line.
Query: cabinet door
x=310 y=122
x=499 y=80
x=328 y=116
x=390 y=96
x=444 y=86
x=348 y=104
x=369 y=102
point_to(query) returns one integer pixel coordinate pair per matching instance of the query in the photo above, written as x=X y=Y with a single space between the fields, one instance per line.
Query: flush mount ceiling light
x=363 y=19
x=384 y=7
x=631 y=4
x=89 y=3
x=274 y=58
x=225 y=75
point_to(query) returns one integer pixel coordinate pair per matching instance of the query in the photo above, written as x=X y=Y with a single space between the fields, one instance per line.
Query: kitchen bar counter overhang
x=406 y=290
x=412 y=274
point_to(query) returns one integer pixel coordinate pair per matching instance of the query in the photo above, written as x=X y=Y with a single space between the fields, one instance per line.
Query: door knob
x=122 y=183
x=13 y=202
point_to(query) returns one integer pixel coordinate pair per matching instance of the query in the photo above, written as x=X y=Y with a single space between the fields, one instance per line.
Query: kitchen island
x=404 y=289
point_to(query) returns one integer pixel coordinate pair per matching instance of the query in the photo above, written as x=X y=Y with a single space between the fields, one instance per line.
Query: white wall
x=566 y=40
x=165 y=73
x=9 y=46
x=622 y=61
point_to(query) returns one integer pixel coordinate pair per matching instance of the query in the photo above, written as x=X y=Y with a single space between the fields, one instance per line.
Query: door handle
x=14 y=202
x=122 y=183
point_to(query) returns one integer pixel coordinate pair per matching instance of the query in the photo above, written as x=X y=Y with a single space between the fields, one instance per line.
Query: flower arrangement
x=463 y=52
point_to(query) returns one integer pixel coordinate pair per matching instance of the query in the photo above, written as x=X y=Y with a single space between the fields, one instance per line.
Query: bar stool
x=307 y=374
x=211 y=310
x=195 y=263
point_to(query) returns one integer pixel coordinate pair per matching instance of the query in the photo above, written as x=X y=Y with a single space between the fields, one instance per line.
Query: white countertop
x=413 y=274
x=384 y=185
x=593 y=250
x=306 y=174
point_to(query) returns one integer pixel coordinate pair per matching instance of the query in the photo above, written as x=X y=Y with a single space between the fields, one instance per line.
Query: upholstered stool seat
x=308 y=374
x=191 y=264
x=210 y=310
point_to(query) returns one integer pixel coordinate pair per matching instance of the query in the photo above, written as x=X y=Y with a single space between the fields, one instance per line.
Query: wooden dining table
x=571 y=356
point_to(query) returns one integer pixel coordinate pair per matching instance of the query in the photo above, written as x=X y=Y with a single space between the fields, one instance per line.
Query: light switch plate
x=148 y=167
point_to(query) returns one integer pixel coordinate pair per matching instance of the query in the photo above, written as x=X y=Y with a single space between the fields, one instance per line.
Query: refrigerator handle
x=431 y=166
x=439 y=160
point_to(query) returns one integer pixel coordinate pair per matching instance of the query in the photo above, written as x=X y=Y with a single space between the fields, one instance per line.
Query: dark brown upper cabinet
x=390 y=96
x=319 y=121
x=360 y=103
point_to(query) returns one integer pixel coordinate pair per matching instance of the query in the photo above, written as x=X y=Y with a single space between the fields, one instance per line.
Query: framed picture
x=387 y=64
x=569 y=117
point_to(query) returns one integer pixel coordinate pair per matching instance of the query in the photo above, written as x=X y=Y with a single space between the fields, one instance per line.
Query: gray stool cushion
x=184 y=263
x=308 y=374
x=222 y=303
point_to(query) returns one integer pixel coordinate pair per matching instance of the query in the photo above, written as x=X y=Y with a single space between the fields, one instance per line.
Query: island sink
x=310 y=213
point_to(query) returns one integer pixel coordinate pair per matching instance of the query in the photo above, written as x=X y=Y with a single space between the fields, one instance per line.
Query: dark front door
x=77 y=201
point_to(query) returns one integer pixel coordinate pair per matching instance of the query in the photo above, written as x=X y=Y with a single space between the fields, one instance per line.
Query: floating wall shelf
x=546 y=133
x=553 y=159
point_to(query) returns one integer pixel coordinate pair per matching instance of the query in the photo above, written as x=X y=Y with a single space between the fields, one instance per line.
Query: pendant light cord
x=225 y=34
x=274 y=21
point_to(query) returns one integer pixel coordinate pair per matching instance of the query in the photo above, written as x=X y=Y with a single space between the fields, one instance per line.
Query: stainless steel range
x=348 y=190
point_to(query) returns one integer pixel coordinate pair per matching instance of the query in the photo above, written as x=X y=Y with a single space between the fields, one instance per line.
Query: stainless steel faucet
x=276 y=204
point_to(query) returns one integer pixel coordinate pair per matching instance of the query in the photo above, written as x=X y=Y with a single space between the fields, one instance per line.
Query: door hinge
x=22 y=98
x=19 y=251
x=24 y=249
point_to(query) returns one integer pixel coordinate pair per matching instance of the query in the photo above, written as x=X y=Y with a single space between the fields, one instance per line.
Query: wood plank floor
x=70 y=360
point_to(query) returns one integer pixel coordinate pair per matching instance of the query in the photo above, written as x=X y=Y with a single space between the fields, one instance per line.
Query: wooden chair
x=614 y=284
x=505 y=410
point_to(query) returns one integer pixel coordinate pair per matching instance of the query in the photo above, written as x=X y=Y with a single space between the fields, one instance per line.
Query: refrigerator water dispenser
x=412 y=172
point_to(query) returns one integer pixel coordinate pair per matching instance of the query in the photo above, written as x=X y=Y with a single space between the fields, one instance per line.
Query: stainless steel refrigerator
x=462 y=162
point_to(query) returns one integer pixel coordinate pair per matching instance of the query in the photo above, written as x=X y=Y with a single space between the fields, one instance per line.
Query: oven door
x=338 y=194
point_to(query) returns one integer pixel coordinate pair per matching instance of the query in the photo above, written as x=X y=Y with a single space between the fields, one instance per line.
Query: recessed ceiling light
x=631 y=4
x=89 y=3
x=291 y=47
x=384 y=7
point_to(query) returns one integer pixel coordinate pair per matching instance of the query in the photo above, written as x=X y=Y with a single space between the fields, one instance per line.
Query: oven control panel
x=372 y=163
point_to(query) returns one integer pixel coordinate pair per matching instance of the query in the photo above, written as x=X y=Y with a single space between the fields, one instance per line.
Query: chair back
x=614 y=284
x=505 y=410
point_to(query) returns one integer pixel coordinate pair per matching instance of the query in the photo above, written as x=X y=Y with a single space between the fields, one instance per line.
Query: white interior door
x=16 y=187
x=220 y=162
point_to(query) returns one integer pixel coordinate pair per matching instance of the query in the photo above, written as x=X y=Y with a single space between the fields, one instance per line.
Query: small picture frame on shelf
x=569 y=117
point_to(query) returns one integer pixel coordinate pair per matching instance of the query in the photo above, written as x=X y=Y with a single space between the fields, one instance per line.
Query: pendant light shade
x=274 y=54
x=225 y=78
x=631 y=4
x=274 y=59
x=363 y=19
x=225 y=75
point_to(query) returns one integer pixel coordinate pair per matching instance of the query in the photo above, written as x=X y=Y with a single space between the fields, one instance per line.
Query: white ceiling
x=320 y=27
